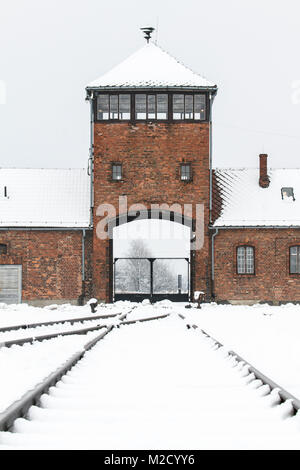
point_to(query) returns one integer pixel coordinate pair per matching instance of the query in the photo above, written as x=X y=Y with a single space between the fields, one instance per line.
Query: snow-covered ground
x=159 y=384
x=19 y=314
x=23 y=367
x=266 y=336
x=142 y=310
x=156 y=385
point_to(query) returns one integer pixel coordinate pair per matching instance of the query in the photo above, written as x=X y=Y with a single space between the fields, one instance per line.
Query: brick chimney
x=264 y=179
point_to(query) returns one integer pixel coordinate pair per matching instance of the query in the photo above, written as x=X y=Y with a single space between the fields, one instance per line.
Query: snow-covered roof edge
x=125 y=76
x=49 y=198
x=240 y=202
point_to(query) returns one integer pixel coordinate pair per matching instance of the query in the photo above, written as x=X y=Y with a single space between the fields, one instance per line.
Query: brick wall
x=272 y=281
x=51 y=263
x=151 y=154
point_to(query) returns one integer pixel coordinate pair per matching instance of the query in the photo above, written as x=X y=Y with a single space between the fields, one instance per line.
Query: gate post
x=114 y=278
x=151 y=278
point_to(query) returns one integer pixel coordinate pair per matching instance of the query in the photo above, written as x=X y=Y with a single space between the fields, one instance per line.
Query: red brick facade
x=272 y=280
x=51 y=263
x=150 y=154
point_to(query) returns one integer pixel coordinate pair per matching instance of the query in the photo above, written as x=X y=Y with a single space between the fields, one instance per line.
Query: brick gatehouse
x=151 y=135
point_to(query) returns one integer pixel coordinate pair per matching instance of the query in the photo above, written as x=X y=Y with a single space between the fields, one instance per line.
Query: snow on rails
x=22 y=407
x=253 y=373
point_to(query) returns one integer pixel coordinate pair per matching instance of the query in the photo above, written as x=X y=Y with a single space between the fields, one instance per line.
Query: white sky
x=50 y=49
x=163 y=238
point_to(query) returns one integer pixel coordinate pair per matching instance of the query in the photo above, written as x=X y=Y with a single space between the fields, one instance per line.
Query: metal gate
x=10 y=284
x=136 y=279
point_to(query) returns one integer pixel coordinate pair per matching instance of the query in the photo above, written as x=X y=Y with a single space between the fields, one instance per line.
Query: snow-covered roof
x=44 y=197
x=151 y=67
x=240 y=200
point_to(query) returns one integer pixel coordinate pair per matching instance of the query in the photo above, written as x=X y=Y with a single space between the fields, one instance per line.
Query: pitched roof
x=151 y=67
x=242 y=202
x=44 y=198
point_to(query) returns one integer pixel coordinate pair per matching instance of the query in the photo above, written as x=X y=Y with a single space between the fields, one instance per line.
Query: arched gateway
x=143 y=273
x=150 y=148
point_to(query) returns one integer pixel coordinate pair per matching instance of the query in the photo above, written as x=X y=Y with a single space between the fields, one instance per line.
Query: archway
x=150 y=256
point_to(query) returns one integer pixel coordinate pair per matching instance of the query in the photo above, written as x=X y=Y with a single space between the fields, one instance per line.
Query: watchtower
x=150 y=145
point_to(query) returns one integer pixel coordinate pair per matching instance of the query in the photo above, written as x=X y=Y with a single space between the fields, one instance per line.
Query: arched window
x=3 y=249
x=295 y=259
x=245 y=259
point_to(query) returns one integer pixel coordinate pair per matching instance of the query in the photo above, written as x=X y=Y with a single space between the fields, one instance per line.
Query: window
x=116 y=171
x=185 y=172
x=3 y=249
x=110 y=107
x=295 y=259
x=151 y=106
x=189 y=107
x=245 y=260
x=287 y=194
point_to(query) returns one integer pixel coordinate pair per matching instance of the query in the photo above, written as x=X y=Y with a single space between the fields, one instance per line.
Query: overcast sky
x=50 y=49
x=162 y=237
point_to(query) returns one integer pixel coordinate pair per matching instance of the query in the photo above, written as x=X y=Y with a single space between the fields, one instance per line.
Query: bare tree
x=139 y=269
x=164 y=279
x=133 y=275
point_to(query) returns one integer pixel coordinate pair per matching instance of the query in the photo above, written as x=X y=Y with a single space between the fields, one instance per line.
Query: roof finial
x=147 y=31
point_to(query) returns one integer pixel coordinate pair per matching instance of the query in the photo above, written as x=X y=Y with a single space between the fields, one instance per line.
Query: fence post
x=151 y=278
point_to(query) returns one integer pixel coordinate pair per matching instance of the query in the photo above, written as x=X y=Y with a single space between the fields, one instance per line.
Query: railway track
x=55 y=322
x=254 y=374
x=22 y=406
x=95 y=320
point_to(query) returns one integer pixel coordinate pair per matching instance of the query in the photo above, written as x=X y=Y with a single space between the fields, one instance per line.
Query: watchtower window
x=113 y=106
x=151 y=106
x=3 y=249
x=185 y=172
x=186 y=107
x=116 y=171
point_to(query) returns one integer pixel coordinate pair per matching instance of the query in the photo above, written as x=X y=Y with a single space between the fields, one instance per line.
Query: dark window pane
x=185 y=172
x=3 y=249
x=114 y=105
x=140 y=106
x=245 y=260
x=178 y=106
x=103 y=107
x=241 y=263
x=124 y=106
x=188 y=107
x=294 y=260
x=162 y=106
x=151 y=107
x=200 y=107
x=117 y=172
x=249 y=260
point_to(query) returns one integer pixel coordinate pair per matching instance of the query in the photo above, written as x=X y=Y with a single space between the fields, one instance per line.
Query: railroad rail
x=55 y=322
x=32 y=339
x=81 y=331
x=19 y=408
x=283 y=394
